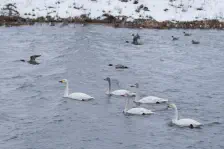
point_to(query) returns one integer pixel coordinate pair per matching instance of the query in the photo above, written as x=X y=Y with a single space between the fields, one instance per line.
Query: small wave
x=172 y=90
x=14 y=77
x=60 y=56
x=212 y=124
x=12 y=138
x=58 y=120
x=18 y=77
x=25 y=85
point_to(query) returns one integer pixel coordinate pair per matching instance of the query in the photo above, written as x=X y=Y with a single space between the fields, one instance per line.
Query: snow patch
x=160 y=10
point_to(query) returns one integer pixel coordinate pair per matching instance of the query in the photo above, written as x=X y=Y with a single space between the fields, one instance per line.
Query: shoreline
x=9 y=21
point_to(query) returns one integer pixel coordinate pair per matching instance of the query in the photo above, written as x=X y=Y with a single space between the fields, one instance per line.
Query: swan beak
x=133 y=86
x=61 y=81
x=168 y=106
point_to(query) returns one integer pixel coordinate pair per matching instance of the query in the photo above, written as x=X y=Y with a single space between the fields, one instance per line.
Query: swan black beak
x=132 y=86
x=168 y=106
x=60 y=81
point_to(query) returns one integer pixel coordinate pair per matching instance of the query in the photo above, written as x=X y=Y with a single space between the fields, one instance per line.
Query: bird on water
x=32 y=60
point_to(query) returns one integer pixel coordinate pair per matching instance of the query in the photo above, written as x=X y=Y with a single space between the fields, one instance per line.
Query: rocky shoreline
x=117 y=22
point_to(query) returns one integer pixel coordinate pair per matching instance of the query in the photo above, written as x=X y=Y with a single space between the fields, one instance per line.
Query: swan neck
x=66 y=90
x=126 y=105
x=176 y=113
x=109 y=89
x=137 y=96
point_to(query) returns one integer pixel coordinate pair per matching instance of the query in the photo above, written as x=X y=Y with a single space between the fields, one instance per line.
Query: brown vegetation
x=119 y=21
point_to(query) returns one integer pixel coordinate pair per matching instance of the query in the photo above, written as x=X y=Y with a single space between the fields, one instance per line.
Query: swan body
x=77 y=95
x=151 y=100
x=136 y=111
x=183 y=122
x=120 y=92
x=148 y=99
x=186 y=122
x=80 y=96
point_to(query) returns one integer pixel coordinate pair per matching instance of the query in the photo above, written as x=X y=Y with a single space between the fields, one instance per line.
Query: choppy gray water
x=34 y=115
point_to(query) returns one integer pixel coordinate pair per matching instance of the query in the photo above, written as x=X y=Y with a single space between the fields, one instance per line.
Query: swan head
x=107 y=79
x=136 y=85
x=172 y=105
x=63 y=81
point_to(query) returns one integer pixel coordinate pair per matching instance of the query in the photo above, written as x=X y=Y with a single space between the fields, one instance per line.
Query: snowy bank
x=160 y=10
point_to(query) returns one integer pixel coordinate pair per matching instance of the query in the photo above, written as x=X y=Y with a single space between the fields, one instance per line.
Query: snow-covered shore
x=160 y=10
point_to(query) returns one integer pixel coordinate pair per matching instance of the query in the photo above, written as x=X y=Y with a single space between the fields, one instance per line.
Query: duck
x=147 y=99
x=187 y=34
x=135 y=39
x=77 y=95
x=175 y=38
x=121 y=92
x=84 y=24
x=135 y=111
x=195 y=42
x=32 y=60
x=119 y=66
x=52 y=24
x=186 y=122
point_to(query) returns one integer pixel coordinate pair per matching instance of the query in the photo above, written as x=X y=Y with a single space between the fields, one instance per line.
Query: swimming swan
x=121 y=92
x=183 y=122
x=136 y=111
x=77 y=95
x=148 y=99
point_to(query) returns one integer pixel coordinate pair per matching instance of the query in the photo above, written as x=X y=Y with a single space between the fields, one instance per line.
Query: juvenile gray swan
x=120 y=92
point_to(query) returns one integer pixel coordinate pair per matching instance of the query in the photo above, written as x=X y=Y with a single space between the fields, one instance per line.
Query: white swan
x=183 y=122
x=77 y=96
x=121 y=92
x=148 y=99
x=136 y=111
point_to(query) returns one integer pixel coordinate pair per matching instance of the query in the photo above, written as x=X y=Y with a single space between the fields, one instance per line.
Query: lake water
x=34 y=115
